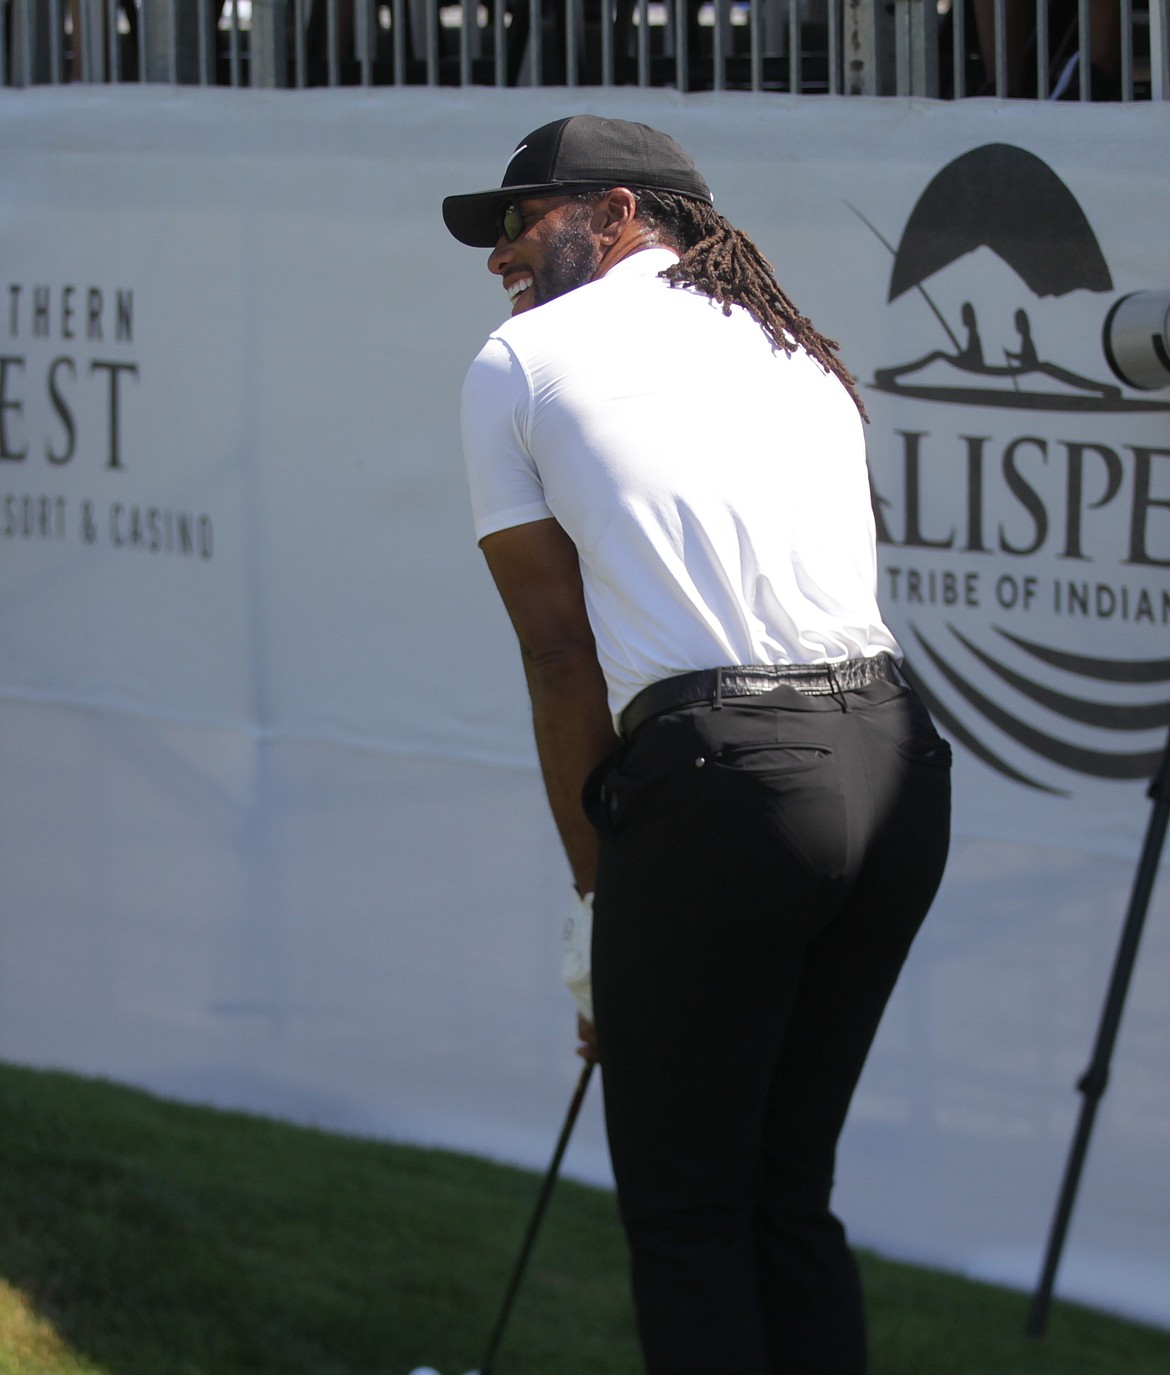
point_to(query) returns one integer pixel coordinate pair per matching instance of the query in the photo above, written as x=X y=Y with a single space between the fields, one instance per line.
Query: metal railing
x=1029 y=49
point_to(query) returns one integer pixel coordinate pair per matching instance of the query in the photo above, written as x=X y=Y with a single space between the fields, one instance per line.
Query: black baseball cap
x=580 y=153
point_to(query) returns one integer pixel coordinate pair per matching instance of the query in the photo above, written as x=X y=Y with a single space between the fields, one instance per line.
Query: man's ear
x=616 y=210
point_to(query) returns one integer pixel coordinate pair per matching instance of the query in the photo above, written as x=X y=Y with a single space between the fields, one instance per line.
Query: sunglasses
x=510 y=222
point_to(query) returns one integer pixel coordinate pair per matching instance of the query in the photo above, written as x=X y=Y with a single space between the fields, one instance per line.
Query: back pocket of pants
x=773 y=757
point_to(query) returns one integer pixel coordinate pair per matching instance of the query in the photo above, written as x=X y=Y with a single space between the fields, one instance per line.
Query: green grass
x=143 y=1237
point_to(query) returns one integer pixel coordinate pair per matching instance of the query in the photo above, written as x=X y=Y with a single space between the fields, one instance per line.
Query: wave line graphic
x=1094 y=763
x=1106 y=715
x=1104 y=670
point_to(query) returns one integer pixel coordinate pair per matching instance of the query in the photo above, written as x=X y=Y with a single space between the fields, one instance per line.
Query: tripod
x=1095 y=1079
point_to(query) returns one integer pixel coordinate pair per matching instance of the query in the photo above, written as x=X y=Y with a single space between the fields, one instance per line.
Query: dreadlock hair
x=722 y=262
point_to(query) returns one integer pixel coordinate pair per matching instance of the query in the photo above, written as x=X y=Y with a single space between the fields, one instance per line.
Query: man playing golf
x=668 y=478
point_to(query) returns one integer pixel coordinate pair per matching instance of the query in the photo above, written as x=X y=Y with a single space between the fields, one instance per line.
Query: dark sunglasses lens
x=511 y=223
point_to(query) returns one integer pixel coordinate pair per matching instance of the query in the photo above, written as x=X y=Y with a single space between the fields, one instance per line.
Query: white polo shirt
x=716 y=489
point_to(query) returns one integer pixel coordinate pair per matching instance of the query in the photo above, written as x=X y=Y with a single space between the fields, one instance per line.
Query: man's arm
x=538 y=575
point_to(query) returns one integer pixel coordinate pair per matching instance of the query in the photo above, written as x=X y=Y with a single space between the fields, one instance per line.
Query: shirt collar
x=647 y=262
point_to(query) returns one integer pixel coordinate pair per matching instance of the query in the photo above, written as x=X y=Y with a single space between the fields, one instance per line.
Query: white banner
x=272 y=831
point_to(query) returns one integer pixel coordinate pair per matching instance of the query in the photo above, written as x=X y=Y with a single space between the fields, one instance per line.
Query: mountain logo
x=1009 y=201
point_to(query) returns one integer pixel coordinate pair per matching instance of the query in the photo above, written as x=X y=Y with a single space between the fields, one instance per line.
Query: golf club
x=546 y=1189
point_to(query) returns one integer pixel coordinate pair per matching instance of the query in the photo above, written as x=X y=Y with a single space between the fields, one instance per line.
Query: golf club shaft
x=546 y=1189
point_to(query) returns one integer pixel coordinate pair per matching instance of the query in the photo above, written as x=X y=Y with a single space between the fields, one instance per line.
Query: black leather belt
x=716 y=685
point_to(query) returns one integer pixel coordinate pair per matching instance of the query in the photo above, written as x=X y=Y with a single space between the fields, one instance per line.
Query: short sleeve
x=505 y=486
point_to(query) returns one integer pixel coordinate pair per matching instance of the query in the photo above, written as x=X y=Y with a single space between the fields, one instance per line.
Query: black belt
x=716 y=685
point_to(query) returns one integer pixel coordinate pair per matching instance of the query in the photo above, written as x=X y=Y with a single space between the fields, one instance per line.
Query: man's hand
x=577 y=938
x=587 y=1036
x=538 y=574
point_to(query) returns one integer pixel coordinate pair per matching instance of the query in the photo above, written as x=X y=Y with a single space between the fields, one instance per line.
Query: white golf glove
x=577 y=935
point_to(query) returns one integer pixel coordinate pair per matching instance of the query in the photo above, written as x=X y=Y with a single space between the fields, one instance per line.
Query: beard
x=572 y=258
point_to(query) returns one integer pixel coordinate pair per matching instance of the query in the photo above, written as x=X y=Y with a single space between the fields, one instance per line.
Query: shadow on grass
x=160 y=1239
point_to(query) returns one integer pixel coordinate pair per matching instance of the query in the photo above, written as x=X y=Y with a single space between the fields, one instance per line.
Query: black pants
x=764 y=868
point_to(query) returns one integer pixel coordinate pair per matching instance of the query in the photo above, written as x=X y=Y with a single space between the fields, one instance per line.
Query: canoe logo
x=1022 y=483
x=1007 y=200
